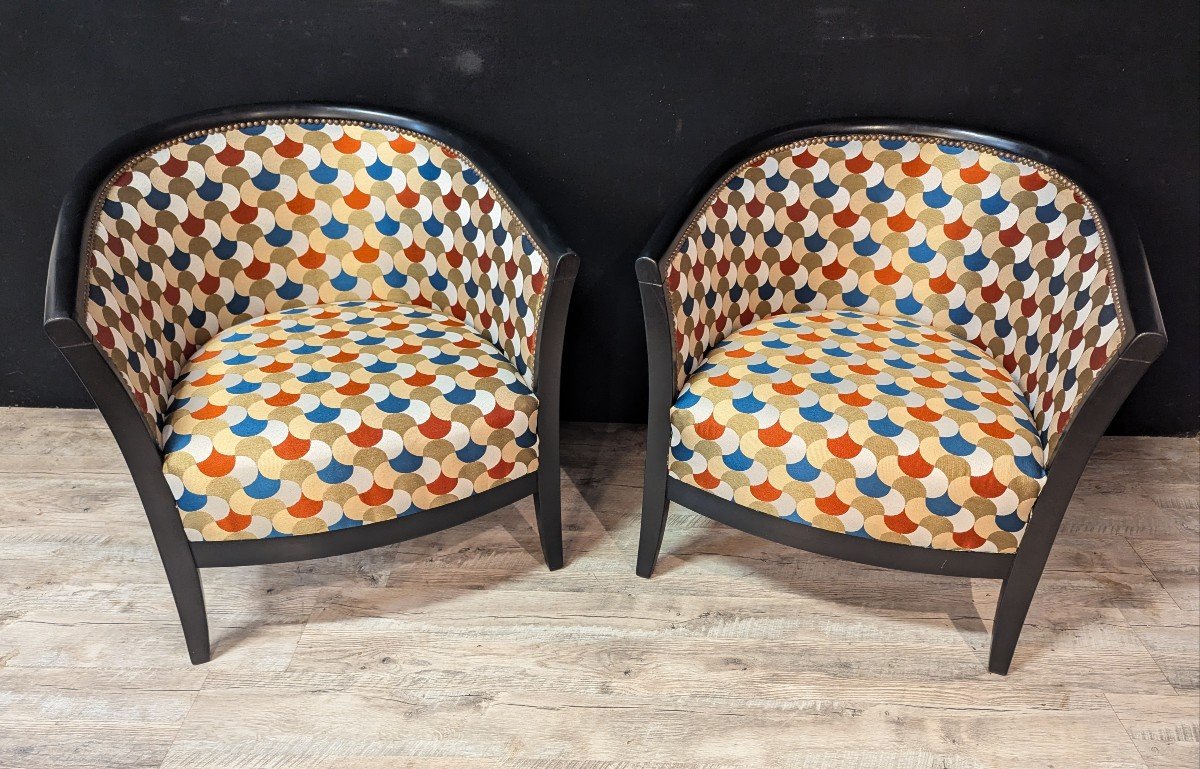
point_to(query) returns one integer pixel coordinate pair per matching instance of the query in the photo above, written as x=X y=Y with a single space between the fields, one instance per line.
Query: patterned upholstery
x=1002 y=252
x=866 y=425
x=322 y=418
x=217 y=228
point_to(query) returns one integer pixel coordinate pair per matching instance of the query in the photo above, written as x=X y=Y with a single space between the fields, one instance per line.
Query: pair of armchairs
x=315 y=329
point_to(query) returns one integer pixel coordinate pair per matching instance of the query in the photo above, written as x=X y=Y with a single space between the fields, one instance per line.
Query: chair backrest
x=219 y=226
x=1000 y=250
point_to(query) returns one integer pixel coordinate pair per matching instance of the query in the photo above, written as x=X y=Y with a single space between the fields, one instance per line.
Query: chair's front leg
x=145 y=465
x=1016 y=592
x=175 y=551
x=547 y=500
x=183 y=576
x=654 y=496
x=184 y=579
x=660 y=360
x=547 y=505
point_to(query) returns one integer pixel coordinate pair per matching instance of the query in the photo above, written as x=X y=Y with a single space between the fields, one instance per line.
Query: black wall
x=604 y=112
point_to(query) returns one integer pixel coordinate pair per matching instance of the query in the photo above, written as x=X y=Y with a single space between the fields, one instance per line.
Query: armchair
x=889 y=343
x=312 y=330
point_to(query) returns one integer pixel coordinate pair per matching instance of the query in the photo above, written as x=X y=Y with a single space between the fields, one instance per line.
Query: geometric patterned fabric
x=215 y=228
x=321 y=418
x=999 y=251
x=871 y=426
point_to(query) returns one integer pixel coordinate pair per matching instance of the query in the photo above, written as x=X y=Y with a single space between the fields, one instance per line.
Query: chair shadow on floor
x=601 y=480
x=507 y=538
x=841 y=583
x=612 y=457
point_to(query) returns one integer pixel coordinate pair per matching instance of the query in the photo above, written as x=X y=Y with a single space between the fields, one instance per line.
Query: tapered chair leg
x=184 y=580
x=660 y=359
x=183 y=576
x=654 y=501
x=1016 y=594
x=547 y=505
x=654 y=524
x=547 y=500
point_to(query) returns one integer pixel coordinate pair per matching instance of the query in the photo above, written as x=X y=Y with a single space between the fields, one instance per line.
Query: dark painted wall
x=604 y=112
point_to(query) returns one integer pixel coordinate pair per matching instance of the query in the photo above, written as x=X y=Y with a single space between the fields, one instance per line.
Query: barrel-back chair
x=312 y=329
x=890 y=343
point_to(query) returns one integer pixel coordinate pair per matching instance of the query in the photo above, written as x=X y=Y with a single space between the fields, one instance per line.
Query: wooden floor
x=460 y=650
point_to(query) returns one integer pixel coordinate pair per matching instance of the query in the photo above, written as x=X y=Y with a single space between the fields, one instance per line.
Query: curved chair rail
x=1144 y=342
x=181 y=557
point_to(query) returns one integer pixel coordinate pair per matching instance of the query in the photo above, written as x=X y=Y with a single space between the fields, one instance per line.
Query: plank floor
x=460 y=650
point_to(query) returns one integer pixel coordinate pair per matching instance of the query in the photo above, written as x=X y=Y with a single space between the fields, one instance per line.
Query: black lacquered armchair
x=890 y=343
x=313 y=330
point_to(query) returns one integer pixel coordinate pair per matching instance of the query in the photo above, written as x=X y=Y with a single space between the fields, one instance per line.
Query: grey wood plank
x=460 y=649
x=1164 y=728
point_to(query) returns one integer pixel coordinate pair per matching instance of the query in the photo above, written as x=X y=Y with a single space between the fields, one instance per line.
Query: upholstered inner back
x=1002 y=252
x=218 y=228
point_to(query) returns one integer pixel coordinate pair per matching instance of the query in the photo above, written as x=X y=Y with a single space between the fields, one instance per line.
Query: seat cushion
x=339 y=415
x=865 y=425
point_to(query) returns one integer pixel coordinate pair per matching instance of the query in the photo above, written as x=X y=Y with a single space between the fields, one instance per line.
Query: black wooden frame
x=182 y=558
x=1144 y=342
